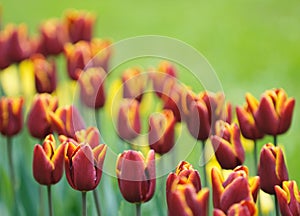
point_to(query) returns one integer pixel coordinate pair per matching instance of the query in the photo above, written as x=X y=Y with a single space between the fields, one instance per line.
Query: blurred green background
x=252 y=45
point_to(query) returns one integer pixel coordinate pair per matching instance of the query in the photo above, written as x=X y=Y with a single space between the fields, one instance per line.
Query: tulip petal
x=282 y=200
x=286 y=115
x=217 y=187
x=58 y=161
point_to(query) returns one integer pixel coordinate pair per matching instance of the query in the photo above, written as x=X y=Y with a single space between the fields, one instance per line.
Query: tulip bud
x=66 y=121
x=288 y=197
x=274 y=112
x=136 y=175
x=44 y=74
x=90 y=136
x=129 y=123
x=91 y=84
x=80 y=25
x=101 y=52
x=271 y=169
x=11 y=117
x=227 y=145
x=171 y=99
x=84 y=166
x=48 y=161
x=39 y=122
x=239 y=209
x=234 y=189
x=161 y=131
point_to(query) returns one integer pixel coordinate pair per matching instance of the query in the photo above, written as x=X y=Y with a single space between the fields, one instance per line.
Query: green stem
x=49 y=200
x=255 y=155
x=138 y=209
x=11 y=165
x=276 y=205
x=97 y=204
x=204 y=164
x=275 y=140
x=84 y=210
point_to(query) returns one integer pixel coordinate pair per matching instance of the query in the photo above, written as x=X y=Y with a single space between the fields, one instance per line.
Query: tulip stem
x=96 y=199
x=255 y=156
x=49 y=200
x=275 y=140
x=11 y=165
x=276 y=205
x=84 y=210
x=138 y=209
x=204 y=164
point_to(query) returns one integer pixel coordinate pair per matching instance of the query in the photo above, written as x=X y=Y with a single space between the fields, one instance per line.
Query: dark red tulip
x=234 y=189
x=162 y=131
x=274 y=112
x=90 y=135
x=227 y=145
x=66 y=121
x=136 y=175
x=44 y=74
x=84 y=165
x=288 y=197
x=243 y=208
x=39 y=122
x=80 y=25
x=11 y=115
x=92 y=92
x=48 y=161
x=271 y=169
x=129 y=123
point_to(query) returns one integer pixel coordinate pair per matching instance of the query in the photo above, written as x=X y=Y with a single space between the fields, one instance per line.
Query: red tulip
x=234 y=189
x=4 y=58
x=129 y=123
x=84 y=166
x=66 y=121
x=91 y=83
x=136 y=175
x=80 y=25
x=288 y=197
x=161 y=131
x=227 y=145
x=44 y=74
x=274 y=112
x=11 y=117
x=48 y=161
x=271 y=169
x=91 y=136
x=38 y=122
x=101 y=52
x=244 y=208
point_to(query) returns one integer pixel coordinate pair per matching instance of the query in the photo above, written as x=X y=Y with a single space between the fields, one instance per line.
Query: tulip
x=83 y=165
x=66 y=121
x=271 y=169
x=101 y=52
x=39 y=122
x=11 y=117
x=288 y=198
x=274 y=112
x=234 y=189
x=161 y=131
x=48 y=161
x=227 y=145
x=244 y=208
x=91 y=84
x=44 y=74
x=91 y=136
x=78 y=55
x=134 y=84
x=80 y=25
x=4 y=59
x=136 y=175
x=129 y=123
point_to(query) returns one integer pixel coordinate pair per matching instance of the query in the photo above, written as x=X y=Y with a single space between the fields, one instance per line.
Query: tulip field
x=149 y=108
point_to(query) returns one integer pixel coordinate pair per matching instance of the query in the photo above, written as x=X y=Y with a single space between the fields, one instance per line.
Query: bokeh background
x=252 y=46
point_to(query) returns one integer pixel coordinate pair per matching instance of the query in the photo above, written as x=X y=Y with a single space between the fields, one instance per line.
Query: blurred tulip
x=136 y=175
x=90 y=135
x=101 y=52
x=11 y=115
x=4 y=58
x=161 y=131
x=84 y=166
x=80 y=25
x=91 y=83
x=271 y=169
x=234 y=189
x=39 y=122
x=134 y=83
x=245 y=116
x=66 y=121
x=78 y=56
x=128 y=122
x=227 y=145
x=274 y=112
x=44 y=74
x=288 y=197
x=48 y=161
x=243 y=208
x=53 y=37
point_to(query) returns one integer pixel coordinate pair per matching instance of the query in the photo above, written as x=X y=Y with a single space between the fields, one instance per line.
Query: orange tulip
x=101 y=52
